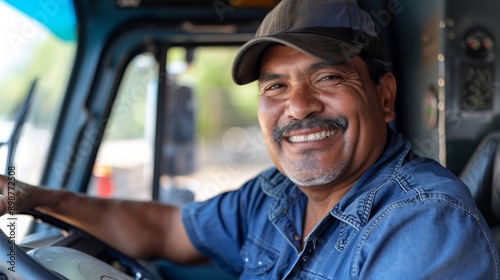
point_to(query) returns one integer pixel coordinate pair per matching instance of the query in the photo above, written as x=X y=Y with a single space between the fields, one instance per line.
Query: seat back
x=495 y=194
x=481 y=175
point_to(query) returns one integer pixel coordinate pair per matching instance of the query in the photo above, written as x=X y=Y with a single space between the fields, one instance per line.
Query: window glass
x=229 y=146
x=32 y=56
x=124 y=164
x=35 y=56
x=214 y=143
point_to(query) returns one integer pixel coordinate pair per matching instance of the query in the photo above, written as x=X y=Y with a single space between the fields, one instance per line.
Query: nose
x=302 y=103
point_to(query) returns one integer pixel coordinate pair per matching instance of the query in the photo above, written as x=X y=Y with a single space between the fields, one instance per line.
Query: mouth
x=311 y=137
x=310 y=130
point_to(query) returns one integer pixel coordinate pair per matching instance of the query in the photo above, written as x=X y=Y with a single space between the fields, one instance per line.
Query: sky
x=18 y=35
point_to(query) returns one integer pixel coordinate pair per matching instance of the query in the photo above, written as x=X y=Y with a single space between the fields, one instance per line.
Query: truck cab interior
x=133 y=99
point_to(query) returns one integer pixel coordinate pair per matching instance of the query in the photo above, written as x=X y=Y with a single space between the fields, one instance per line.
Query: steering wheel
x=75 y=255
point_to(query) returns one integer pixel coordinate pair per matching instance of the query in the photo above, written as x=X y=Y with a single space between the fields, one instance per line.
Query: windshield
x=37 y=50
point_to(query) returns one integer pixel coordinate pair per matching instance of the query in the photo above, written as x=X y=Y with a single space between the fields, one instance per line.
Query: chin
x=312 y=179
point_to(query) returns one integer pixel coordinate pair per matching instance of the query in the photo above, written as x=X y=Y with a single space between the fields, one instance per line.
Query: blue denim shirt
x=405 y=218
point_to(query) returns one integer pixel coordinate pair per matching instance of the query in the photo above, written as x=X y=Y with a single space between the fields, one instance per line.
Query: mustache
x=339 y=122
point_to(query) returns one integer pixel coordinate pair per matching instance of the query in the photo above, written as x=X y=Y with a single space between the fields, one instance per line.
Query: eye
x=271 y=89
x=336 y=79
x=274 y=87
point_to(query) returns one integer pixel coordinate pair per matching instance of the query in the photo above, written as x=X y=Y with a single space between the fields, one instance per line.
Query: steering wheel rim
x=18 y=261
x=23 y=264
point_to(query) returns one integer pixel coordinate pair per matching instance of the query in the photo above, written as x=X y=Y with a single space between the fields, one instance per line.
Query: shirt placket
x=310 y=245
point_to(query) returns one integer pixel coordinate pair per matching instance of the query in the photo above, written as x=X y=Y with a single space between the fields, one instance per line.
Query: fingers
x=16 y=196
x=8 y=191
x=3 y=208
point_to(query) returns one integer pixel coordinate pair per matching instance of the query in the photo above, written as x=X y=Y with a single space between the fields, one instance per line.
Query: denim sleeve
x=435 y=238
x=217 y=227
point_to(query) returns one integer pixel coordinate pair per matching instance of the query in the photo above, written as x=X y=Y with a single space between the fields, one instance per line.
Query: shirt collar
x=355 y=206
x=278 y=186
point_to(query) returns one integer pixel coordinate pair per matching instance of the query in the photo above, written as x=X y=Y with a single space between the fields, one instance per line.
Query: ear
x=387 y=93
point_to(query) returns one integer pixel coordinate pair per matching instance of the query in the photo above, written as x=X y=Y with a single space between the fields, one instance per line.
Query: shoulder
x=431 y=180
x=428 y=187
x=431 y=214
x=422 y=238
x=416 y=181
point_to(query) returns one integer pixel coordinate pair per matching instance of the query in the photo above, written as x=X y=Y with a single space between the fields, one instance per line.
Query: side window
x=35 y=60
x=124 y=163
x=229 y=145
x=212 y=142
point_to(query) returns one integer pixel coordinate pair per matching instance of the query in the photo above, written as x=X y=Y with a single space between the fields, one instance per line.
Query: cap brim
x=246 y=64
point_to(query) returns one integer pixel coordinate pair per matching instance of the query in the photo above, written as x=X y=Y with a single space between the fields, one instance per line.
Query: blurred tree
x=226 y=103
x=50 y=62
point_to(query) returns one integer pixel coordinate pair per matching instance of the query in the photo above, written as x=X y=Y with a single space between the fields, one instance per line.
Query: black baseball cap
x=330 y=30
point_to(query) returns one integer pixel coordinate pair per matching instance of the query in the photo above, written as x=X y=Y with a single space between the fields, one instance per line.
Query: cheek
x=269 y=113
x=268 y=119
x=356 y=101
x=343 y=103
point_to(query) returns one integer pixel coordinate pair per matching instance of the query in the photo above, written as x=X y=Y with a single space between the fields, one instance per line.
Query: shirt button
x=259 y=263
x=296 y=237
x=246 y=260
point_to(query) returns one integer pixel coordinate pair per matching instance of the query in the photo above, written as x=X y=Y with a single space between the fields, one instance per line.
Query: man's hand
x=16 y=196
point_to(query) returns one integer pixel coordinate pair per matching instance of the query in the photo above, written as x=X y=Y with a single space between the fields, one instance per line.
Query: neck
x=319 y=202
x=322 y=199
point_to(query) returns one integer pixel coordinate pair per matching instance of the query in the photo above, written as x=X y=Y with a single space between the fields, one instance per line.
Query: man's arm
x=142 y=230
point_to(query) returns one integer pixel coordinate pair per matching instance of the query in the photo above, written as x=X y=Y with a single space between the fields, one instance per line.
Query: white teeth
x=311 y=137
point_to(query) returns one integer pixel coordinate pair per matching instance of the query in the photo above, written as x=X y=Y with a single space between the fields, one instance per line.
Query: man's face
x=324 y=124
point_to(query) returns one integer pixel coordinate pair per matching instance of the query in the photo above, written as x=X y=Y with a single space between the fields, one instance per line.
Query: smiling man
x=347 y=199
x=320 y=121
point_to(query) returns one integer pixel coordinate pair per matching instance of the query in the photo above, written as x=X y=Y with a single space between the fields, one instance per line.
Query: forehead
x=282 y=58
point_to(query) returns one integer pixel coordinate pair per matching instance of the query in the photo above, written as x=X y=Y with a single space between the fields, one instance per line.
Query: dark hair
x=376 y=67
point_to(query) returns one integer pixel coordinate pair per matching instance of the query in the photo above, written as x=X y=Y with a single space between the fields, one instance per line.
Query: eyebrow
x=269 y=77
x=342 y=66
